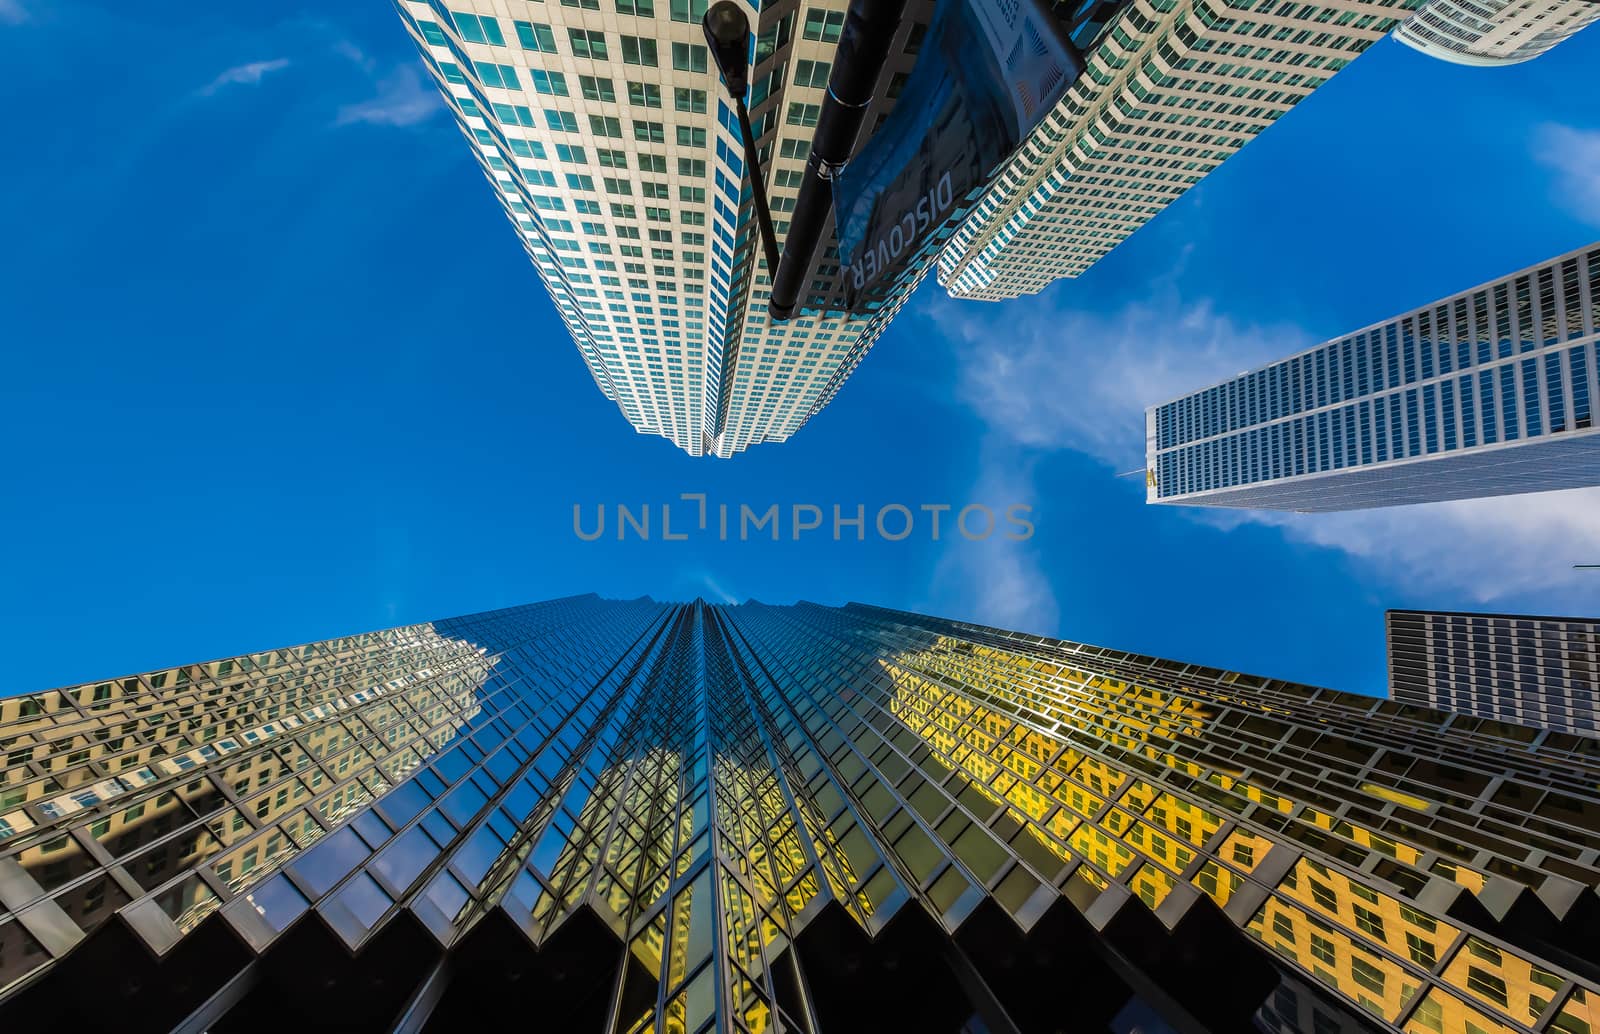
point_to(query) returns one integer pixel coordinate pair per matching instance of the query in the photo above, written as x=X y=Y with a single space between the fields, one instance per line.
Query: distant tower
x=1487 y=392
x=1494 y=32
x=1543 y=672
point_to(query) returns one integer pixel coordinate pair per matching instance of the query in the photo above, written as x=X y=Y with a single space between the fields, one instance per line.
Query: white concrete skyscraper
x=1494 y=32
x=609 y=139
x=1173 y=90
x=1487 y=392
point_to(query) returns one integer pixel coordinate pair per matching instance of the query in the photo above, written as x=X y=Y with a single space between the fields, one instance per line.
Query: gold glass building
x=631 y=816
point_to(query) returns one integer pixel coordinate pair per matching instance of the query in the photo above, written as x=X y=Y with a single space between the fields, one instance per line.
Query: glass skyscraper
x=1487 y=392
x=629 y=816
x=1539 y=671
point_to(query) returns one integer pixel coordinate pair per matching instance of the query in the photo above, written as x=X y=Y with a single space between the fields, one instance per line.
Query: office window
x=561 y=121
x=589 y=43
x=597 y=89
x=605 y=125
x=552 y=83
x=637 y=51
x=812 y=74
x=503 y=76
x=1367 y=975
x=803 y=114
x=1369 y=922
x=824 y=25
x=688 y=10
x=637 y=8
x=478 y=29
x=688 y=57
x=649 y=132
x=686 y=99
x=536 y=36
x=646 y=94
x=1486 y=984
x=691 y=136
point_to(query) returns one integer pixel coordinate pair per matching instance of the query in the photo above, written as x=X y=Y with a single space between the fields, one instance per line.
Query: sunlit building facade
x=1538 y=671
x=1487 y=392
x=611 y=145
x=1493 y=32
x=635 y=816
x=1174 y=89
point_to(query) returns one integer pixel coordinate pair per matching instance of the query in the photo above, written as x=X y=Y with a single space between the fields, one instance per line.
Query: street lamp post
x=727 y=32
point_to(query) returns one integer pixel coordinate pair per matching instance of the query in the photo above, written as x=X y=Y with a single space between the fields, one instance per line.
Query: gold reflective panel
x=706 y=784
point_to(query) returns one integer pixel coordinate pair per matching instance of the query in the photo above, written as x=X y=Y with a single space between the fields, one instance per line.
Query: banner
x=988 y=72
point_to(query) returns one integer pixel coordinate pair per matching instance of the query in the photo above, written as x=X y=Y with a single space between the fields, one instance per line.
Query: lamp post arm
x=758 y=186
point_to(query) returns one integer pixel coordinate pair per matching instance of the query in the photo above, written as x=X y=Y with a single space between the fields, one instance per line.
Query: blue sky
x=276 y=369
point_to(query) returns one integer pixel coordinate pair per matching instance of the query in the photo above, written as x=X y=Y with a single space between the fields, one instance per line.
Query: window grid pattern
x=1493 y=32
x=1543 y=672
x=1172 y=89
x=654 y=268
x=1487 y=392
x=707 y=783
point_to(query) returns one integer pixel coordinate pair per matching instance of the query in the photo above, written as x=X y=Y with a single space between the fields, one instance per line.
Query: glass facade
x=635 y=816
x=1487 y=392
x=1537 y=671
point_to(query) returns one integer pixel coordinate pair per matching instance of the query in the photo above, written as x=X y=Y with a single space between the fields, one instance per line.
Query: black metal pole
x=727 y=31
x=869 y=28
x=758 y=186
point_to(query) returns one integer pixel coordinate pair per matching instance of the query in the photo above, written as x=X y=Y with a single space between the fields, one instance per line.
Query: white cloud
x=1059 y=378
x=1490 y=549
x=12 y=12
x=996 y=581
x=247 y=75
x=1574 y=154
x=403 y=100
x=1010 y=589
x=355 y=55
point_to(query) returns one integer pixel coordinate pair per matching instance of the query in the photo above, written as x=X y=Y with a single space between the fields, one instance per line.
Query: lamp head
x=727 y=32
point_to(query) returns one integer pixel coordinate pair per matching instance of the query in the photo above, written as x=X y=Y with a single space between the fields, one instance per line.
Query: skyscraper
x=1493 y=32
x=1543 y=672
x=1175 y=89
x=612 y=147
x=628 y=816
x=1487 y=392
